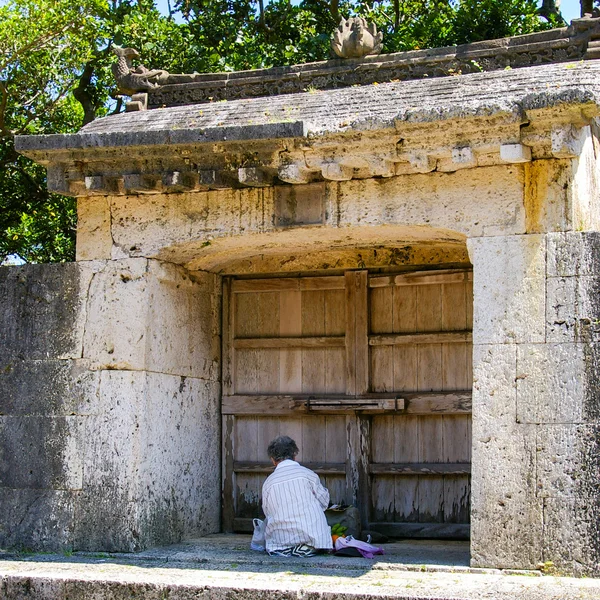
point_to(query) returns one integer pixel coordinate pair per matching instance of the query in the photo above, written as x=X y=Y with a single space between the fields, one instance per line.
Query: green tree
x=54 y=77
x=55 y=69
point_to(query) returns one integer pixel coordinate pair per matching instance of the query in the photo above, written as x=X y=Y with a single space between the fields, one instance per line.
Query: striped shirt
x=293 y=501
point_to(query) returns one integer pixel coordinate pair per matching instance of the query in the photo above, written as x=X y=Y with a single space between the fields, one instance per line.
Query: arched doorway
x=369 y=369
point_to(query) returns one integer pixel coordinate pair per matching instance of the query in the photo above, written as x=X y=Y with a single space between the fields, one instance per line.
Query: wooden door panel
x=290 y=325
x=257 y=314
x=424 y=499
x=257 y=371
x=429 y=367
x=429 y=308
x=406 y=368
x=455 y=366
x=246 y=449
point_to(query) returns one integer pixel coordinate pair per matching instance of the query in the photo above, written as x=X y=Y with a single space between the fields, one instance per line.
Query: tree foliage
x=55 y=69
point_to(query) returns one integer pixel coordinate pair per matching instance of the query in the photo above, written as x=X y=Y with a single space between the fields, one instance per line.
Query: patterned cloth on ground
x=299 y=550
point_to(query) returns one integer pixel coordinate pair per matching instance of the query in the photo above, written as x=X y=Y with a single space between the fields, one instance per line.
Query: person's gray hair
x=282 y=448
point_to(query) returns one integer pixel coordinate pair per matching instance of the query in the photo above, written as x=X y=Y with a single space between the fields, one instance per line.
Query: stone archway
x=358 y=343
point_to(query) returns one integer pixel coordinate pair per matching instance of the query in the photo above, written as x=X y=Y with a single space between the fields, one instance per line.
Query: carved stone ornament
x=355 y=38
x=132 y=80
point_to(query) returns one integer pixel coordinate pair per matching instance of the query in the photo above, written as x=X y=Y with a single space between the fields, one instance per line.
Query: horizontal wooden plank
x=240 y=286
x=435 y=337
x=450 y=403
x=289 y=342
x=422 y=278
x=413 y=404
x=440 y=531
x=420 y=468
x=267 y=467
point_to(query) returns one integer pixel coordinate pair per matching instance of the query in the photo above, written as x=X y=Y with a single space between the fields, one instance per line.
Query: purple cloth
x=367 y=550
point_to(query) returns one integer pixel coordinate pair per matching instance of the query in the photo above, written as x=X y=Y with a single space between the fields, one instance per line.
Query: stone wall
x=535 y=402
x=109 y=392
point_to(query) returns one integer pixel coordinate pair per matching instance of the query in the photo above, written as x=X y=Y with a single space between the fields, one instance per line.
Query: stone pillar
x=110 y=406
x=508 y=311
x=535 y=402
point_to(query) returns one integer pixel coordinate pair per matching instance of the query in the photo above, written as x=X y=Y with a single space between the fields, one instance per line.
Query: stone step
x=83 y=577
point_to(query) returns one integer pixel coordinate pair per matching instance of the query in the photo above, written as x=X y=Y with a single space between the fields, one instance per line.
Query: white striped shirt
x=293 y=501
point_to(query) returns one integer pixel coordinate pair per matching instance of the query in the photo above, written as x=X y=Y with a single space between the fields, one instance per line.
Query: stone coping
x=222 y=566
x=365 y=108
x=502 y=117
x=576 y=42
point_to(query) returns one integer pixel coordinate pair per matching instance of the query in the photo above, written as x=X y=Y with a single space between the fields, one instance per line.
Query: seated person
x=293 y=502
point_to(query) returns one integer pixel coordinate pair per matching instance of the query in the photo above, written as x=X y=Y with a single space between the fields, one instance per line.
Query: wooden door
x=328 y=361
x=420 y=347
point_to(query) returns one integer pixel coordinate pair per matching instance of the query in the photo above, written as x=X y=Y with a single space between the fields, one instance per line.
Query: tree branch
x=550 y=11
x=334 y=8
x=261 y=17
x=3 y=129
x=36 y=44
x=83 y=96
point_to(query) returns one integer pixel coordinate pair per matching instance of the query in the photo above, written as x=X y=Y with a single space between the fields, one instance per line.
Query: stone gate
x=117 y=380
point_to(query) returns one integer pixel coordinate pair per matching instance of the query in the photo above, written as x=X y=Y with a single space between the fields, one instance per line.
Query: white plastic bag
x=258 y=537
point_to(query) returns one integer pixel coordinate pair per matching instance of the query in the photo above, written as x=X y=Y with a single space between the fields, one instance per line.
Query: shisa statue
x=132 y=80
x=355 y=38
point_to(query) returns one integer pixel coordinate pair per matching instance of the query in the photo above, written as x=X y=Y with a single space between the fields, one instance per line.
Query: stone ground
x=223 y=567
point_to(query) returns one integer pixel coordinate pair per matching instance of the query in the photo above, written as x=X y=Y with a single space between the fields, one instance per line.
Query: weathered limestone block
x=44 y=392
x=586 y=182
x=515 y=153
x=573 y=253
x=569 y=480
x=487 y=202
x=146 y=315
x=506 y=515
x=300 y=205
x=509 y=289
x=573 y=309
x=573 y=287
x=561 y=466
x=181 y=470
x=143 y=225
x=568 y=140
x=41 y=452
x=94 y=239
x=46 y=387
x=571 y=534
x=152 y=471
x=548 y=199
x=36 y=519
x=551 y=383
x=41 y=316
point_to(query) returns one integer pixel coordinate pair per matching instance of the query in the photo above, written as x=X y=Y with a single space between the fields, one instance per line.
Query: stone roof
x=328 y=123
x=332 y=111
